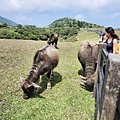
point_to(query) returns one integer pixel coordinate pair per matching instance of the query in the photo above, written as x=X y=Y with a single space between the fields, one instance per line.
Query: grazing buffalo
x=45 y=60
x=53 y=40
x=87 y=55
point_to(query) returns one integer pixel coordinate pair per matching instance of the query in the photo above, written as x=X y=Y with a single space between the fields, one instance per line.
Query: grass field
x=67 y=100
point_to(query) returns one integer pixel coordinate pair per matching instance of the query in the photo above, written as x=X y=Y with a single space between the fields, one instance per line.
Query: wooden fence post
x=110 y=107
x=100 y=47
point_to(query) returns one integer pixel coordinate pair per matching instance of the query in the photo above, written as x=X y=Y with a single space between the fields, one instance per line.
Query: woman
x=111 y=40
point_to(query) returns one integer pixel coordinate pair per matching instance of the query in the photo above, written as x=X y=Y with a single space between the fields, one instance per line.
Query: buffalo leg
x=56 y=44
x=49 y=76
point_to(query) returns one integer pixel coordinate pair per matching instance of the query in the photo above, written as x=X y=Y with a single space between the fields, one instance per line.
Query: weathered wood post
x=100 y=47
x=110 y=105
x=98 y=79
x=107 y=86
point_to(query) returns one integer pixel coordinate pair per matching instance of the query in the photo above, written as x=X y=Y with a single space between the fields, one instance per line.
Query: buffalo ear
x=22 y=79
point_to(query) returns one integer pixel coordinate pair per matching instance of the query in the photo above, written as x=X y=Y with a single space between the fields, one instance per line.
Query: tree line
x=31 y=32
x=64 y=27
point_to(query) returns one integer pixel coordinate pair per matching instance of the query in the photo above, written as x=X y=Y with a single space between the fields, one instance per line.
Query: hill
x=69 y=22
x=7 y=21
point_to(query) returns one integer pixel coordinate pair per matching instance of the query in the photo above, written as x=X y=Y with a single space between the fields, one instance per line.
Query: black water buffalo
x=87 y=55
x=53 y=40
x=45 y=60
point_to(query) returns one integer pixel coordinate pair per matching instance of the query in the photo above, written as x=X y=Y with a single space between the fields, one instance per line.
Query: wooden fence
x=107 y=85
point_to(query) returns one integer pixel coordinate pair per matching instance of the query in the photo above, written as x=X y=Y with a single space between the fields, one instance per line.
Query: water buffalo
x=87 y=55
x=53 y=40
x=45 y=60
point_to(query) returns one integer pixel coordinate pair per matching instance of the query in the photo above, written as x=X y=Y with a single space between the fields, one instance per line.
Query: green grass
x=67 y=100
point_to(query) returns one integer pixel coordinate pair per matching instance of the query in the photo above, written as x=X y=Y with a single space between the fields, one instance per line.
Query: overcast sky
x=43 y=12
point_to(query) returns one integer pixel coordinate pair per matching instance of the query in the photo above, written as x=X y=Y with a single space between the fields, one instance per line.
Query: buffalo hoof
x=25 y=97
x=48 y=86
x=56 y=47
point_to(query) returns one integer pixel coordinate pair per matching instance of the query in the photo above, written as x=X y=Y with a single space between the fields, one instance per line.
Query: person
x=111 y=39
x=118 y=47
x=102 y=37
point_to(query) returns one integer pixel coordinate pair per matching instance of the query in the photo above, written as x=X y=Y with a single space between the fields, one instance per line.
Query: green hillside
x=66 y=28
x=70 y=22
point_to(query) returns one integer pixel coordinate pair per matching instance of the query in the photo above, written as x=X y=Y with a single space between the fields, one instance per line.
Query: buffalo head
x=28 y=88
x=89 y=80
x=87 y=56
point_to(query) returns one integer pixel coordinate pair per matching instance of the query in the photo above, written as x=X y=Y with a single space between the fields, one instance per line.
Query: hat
x=102 y=33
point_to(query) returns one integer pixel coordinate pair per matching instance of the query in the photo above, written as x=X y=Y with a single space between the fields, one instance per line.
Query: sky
x=43 y=12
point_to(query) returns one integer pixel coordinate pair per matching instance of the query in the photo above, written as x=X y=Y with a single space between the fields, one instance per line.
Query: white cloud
x=31 y=5
x=80 y=17
x=47 y=5
x=115 y=15
x=9 y=5
x=23 y=18
x=101 y=11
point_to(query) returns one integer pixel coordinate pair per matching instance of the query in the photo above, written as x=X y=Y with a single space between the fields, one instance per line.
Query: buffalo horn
x=22 y=79
x=84 y=81
x=82 y=77
x=35 y=85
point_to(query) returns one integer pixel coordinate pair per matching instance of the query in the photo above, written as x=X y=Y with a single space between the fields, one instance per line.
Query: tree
x=19 y=26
